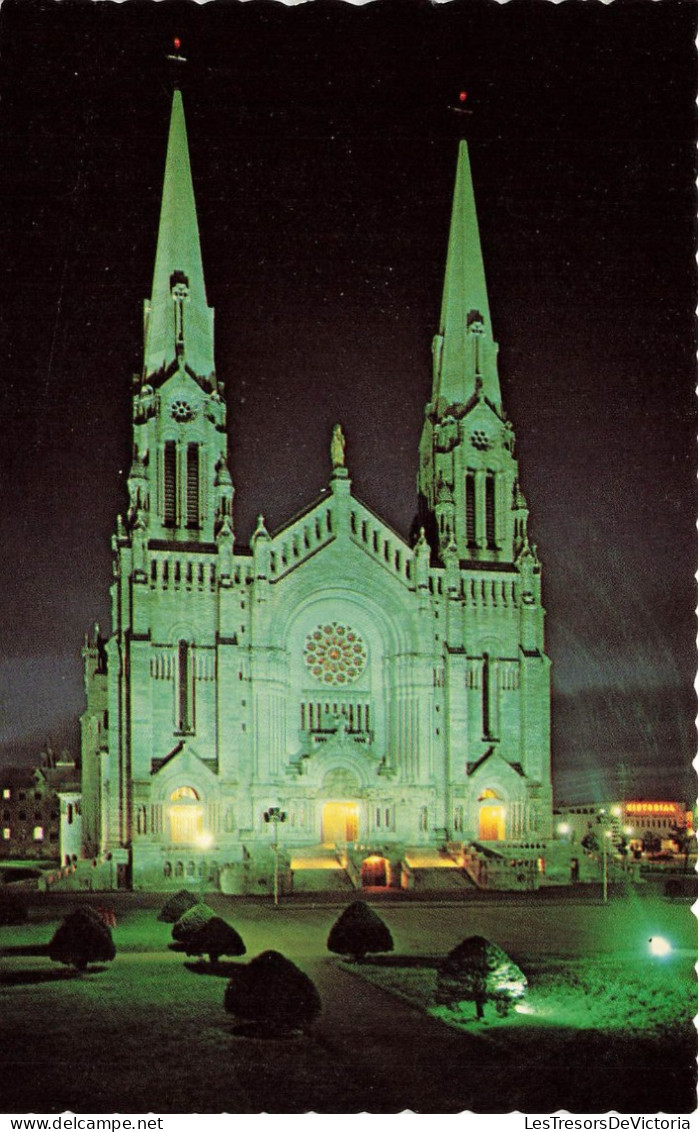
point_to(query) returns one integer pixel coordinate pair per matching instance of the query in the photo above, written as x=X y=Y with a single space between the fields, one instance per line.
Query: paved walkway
x=426 y=1070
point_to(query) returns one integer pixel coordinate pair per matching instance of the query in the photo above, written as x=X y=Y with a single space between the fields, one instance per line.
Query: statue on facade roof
x=337 y=447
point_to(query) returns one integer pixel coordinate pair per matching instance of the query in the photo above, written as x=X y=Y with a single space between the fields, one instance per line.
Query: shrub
x=100 y=915
x=81 y=939
x=193 y=919
x=214 y=938
x=13 y=909
x=479 y=971
x=359 y=930
x=273 y=991
x=176 y=906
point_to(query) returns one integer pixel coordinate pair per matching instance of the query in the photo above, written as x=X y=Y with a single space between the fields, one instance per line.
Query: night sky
x=323 y=152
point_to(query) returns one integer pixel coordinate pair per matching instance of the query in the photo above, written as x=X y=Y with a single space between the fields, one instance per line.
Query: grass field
x=149 y=1033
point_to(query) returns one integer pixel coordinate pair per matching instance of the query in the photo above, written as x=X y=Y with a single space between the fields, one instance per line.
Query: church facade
x=332 y=687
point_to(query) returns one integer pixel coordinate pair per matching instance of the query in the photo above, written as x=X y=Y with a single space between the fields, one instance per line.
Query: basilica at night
x=332 y=699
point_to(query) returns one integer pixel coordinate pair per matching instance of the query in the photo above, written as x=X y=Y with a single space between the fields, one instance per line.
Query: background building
x=380 y=693
x=33 y=814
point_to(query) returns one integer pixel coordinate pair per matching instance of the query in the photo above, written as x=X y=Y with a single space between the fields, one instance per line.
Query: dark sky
x=323 y=153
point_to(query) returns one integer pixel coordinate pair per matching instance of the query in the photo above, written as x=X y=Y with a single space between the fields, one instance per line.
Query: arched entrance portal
x=185 y=816
x=375 y=872
x=492 y=817
x=340 y=822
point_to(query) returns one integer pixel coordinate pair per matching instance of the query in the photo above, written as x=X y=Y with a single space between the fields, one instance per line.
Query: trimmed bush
x=81 y=939
x=176 y=906
x=13 y=909
x=273 y=991
x=358 y=931
x=101 y=915
x=479 y=971
x=192 y=920
x=214 y=938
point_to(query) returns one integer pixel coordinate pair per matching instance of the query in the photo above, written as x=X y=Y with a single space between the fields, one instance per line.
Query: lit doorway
x=492 y=817
x=185 y=816
x=375 y=872
x=340 y=822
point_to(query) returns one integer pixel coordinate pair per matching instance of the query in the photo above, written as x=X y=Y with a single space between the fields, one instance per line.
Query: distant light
x=629 y=829
x=176 y=44
x=616 y=811
x=462 y=96
x=659 y=946
x=563 y=828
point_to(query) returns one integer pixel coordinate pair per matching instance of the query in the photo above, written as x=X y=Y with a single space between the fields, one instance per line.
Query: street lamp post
x=204 y=841
x=276 y=815
x=605 y=866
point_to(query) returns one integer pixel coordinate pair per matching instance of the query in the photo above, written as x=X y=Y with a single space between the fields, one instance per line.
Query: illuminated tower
x=476 y=517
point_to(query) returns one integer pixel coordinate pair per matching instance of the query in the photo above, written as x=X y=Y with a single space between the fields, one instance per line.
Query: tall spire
x=179 y=324
x=464 y=348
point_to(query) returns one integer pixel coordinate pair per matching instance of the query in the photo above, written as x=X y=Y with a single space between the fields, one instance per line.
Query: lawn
x=144 y=1033
x=149 y=1033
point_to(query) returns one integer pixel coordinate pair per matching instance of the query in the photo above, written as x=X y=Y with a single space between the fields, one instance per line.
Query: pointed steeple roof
x=179 y=322
x=465 y=298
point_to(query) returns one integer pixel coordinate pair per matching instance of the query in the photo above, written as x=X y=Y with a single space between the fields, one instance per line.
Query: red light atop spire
x=176 y=43
x=462 y=96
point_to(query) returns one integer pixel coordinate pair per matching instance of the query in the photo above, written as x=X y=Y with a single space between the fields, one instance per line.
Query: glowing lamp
x=176 y=43
x=462 y=96
x=205 y=840
x=659 y=946
x=563 y=828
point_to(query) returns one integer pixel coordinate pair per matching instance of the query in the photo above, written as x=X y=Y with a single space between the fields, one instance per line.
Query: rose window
x=335 y=654
x=480 y=440
x=182 y=411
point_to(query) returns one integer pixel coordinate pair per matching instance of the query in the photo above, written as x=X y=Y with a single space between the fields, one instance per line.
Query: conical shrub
x=82 y=939
x=193 y=919
x=177 y=905
x=359 y=931
x=479 y=971
x=274 y=992
x=214 y=938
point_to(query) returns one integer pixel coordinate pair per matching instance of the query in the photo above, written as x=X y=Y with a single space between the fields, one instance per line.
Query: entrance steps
x=316 y=868
x=321 y=880
x=430 y=869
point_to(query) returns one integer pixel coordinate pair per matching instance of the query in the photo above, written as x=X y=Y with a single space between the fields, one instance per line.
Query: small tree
x=214 y=938
x=479 y=971
x=81 y=939
x=273 y=991
x=177 y=905
x=359 y=930
x=195 y=918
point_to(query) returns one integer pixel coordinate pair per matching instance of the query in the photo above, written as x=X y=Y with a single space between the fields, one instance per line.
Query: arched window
x=183 y=710
x=490 y=510
x=184 y=792
x=192 y=486
x=169 y=483
x=470 y=492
